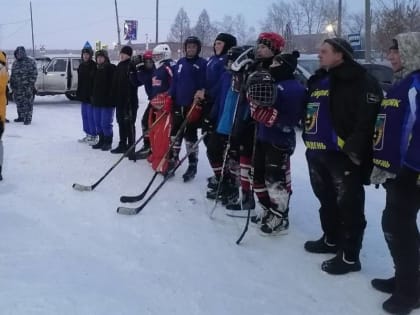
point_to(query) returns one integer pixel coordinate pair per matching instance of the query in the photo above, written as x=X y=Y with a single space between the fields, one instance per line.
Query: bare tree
x=238 y=27
x=180 y=29
x=204 y=29
x=394 y=17
x=277 y=17
x=354 y=22
x=305 y=16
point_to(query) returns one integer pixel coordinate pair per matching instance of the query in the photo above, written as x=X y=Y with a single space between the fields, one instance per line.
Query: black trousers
x=126 y=126
x=338 y=185
x=272 y=170
x=401 y=232
x=190 y=134
x=145 y=125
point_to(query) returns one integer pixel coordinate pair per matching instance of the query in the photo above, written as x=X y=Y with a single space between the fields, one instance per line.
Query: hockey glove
x=264 y=115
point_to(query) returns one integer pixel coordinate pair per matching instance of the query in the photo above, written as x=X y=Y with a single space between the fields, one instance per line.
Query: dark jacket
x=354 y=102
x=102 y=86
x=125 y=93
x=85 y=75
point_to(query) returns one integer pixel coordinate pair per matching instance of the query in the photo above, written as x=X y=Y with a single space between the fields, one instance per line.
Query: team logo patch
x=311 y=120
x=378 y=135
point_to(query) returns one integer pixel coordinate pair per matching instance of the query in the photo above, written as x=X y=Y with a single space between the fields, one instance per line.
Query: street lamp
x=329 y=28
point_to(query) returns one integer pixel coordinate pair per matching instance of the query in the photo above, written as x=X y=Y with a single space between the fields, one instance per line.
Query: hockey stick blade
x=127 y=211
x=125 y=199
x=79 y=187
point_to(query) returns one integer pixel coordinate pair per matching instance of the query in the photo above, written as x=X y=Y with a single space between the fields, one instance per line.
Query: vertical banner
x=130 y=30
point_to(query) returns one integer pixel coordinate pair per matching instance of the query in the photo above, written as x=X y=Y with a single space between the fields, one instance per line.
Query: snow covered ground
x=69 y=252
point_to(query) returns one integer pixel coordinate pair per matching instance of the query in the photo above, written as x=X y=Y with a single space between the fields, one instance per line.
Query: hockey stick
x=225 y=155
x=129 y=199
x=132 y=211
x=252 y=186
x=80 y=187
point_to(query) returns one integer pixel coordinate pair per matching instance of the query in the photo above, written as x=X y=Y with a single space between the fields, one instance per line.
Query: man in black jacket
x=85 y=75
x=102 y=101
x=125 y=95
x=343 y=101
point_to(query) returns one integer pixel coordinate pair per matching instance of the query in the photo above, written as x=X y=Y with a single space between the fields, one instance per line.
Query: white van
x=58 y=76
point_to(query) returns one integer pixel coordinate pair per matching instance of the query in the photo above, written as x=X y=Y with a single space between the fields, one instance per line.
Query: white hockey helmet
x=162 y=52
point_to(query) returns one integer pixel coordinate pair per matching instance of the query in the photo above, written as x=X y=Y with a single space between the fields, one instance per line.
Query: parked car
x=58 y=75
x=308 y=64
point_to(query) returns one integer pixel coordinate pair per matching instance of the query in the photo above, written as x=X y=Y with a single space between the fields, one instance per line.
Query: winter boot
x=401 y=304
x=92 y=140
x=340 y=264
x=100 y=143
x=384 y=285
x=107 y=144
x=122 y=147
x=1 y=177
x=132 y=156
x=26 y=122
x=212 y=182
x=144 y=152
x=191 y=172
x=82 y=140
x=19 y=119
x=274 y=223
x=241 y=206
x=321 y=246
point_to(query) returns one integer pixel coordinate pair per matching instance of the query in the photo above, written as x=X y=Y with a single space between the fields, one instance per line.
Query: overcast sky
x=70 y=23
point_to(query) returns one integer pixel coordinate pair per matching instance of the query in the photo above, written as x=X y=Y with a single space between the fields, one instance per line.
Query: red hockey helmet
x=272 y=40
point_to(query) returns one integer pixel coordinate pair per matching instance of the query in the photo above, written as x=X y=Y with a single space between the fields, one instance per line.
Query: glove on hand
x=264 y=115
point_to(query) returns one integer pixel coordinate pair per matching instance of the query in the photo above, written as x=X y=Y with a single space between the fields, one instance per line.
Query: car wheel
x=71 y=96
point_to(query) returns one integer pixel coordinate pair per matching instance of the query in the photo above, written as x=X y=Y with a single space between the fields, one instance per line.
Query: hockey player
x=85 y=75
x=22 y=82
x=141 y=72
x=396 y=161
x=127 y=103
x=216 y=66
x=102 y=101
x=276 y=138
x=187 y=87
x=222 y=117
x=341 y=110
x=268 y=45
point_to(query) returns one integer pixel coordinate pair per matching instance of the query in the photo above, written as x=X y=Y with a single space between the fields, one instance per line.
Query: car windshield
x=311 y=65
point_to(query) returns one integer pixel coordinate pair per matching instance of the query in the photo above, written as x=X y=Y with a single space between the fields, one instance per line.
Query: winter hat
x=101 y=52
x=272 y=40
x=290 y=60
x=87 y=50
x=286 y=68
x=127 y=50
x=394 y=44
x=342 y=46
x=228 y=39
x=20 y=52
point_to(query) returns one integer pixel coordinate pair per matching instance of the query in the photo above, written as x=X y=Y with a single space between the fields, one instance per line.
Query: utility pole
x=368 y=30
x=118 y=25
x=340 y=11
x=157 y=21
x=32 y=30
